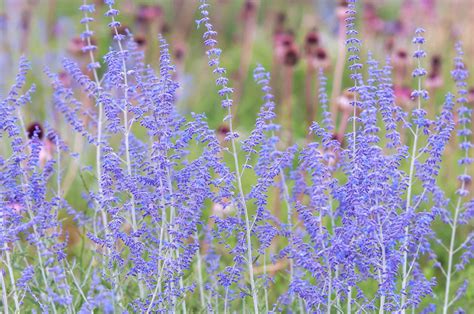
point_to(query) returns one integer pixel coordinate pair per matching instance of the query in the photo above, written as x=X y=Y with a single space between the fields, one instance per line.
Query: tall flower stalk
x=127 y=124
x=459 y=75
x=89 y=48
x=420 y=122
x=225 y=92
x=353 y=47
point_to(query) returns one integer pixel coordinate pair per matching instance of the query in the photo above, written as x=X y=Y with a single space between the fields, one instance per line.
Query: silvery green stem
x=246 y=215
x=265 y=290
x=452 y=242
x=126 y=128
x=200 y=279
x=450 y=256
x=408 y=201
x=99 y=130
x=384 y=265
x=12 y=280
x=349 y=301
x=126 y=138
x=4 y=294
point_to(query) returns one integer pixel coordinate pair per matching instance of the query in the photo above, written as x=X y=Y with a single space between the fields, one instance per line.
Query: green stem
x=247 y=219
x=408 y=201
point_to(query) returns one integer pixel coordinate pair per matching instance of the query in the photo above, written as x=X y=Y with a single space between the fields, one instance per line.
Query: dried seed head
x=400 y=59
x=179 y=52
x=287 y=39
x=291 y=56
x=140 y=40
x=223 y=129
x=344 y=102
x=249 y=5
x=436 y=62
x=402 y=54
x=222 y=132
x=338 y=137
x=321 y=54
x=248 y=10
x=319 y=59
x=434 y=78
x=35 y=130
x=311 y=41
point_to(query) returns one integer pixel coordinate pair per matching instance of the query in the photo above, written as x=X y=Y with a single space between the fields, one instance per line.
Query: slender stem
x=412 y=264
x=246 y=215
x=452 y=242
x=127 y=128
x=216 y=300
x=265 y=290
x=450 y=256
x=407 y=230
x=162 y=231
x=354 y=127
x=76 y=283
x=99 y=128
x=384 y=263
x=328 y=307
x=409 y=193
x=328 y=311
x=172 y=215
x=225 y=300
x=336 y=272
x=4 y=294
x=12 y=279
x=59 y=195
x=155 y=292
x=289 y=209
x=71 y=173
x=349 y=301
x=200 y=279
x=452 y=250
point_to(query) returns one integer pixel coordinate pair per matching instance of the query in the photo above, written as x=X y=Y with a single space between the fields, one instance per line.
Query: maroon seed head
x=35 y=129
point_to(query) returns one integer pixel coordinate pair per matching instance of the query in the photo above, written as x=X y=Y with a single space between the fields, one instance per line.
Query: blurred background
x=291 y=38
